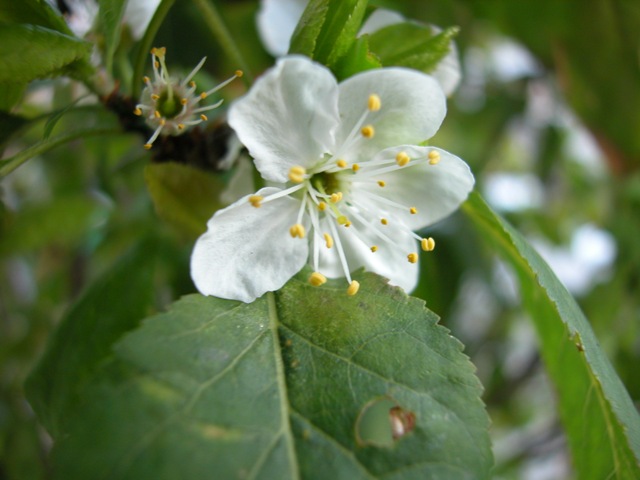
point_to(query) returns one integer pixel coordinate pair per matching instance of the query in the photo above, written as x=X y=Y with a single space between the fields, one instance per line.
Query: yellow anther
x=181 y=126
x=256 y=200
x=402 y=159
x=137 y=111
x=203 y=95
x=316 y=279
x=374 y=103
x=347 y=225
x=162 y=122
x=157 y=64
x=147 y=146
x=336 y=197
x=239 y=73
x=341 y=163
x=368 y=131
x=157 y=114
x=434 y=157
x=342 y=220
x=296 y=174
x=428 y=244
x=297 y=230
x=382 y=183
x=412 y=257
x=384 y=221
x=203 y=117
x=322 y=206
x=184 y=101
x=355 y=167
x=146 y=79
x=192 y=84
x=155 y=97
x=159 y=52
x=329 y=240
x=374 y=249
x=413 y=210
x=354 y=286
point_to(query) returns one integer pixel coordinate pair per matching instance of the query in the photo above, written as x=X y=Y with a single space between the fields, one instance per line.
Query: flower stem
x=145 y=45
x=215 y=23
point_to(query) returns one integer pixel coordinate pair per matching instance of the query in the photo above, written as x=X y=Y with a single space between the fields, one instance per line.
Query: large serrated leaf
x=28 y=52
x=217 y=389
x=601 y=422
x=114 y=304
x=411 y=45
x=34 y=12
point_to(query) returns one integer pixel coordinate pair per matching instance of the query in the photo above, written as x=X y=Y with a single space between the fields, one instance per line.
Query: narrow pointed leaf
x=601 y=422
x=110 y=17
x=286 y=387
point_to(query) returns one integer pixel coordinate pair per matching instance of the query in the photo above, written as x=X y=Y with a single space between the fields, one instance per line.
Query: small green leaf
x=357 y=59
x=10 y=95
x=34 y=12
x=328 y=29
x=601 y=422
x=183 y=196
x=114 y=304
x=28 y=52
x=110 y=18
x=285 y=387
x=411 y=45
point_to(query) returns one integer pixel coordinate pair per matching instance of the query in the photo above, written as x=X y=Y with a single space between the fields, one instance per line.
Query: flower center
x=167 y=104
x=326 y=182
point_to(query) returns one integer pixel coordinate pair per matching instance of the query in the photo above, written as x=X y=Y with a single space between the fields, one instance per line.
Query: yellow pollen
x=316 y=279
x=183 y=101
x=155 y=97
x=297 y=230
x=412 y=257
x=413 y=210
x=255 y=200
x=162 y=122
x=147 y=146
x=382 y=183
x=402 y=158
x=322 y=206
x=203 y=95
x=374 y=249
x=239 y=73
x=434 y=157
x=146 y=79
x=157 y=64
x=156 y=114
x=336 y=197
x=355 y=167
x=354 y=286
x=368 y=131
x=428 y=244
x=137 y=111
x=374 y=103
x=384 y=221
x=296 y=174
x=347 y=225
x=329 y=239
x=181 y=126
x=342 y=220
x=192 y=84
x=341 y=163
x=203 y=117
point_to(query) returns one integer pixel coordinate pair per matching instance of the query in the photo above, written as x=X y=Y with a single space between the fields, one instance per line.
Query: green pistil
x=167 y=104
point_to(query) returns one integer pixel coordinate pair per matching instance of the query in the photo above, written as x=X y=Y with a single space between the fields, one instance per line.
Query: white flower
x=344 y=196
x=170 y=105
x=277 y=20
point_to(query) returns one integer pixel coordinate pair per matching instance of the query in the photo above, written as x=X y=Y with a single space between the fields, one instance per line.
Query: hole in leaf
x=382 y=422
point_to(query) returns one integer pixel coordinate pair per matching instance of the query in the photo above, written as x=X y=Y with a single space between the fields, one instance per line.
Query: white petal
x=138 y=14
x=379 y=19
x=413 y=107
x=390 y=260
x=248 y=251
x=448 y=72
x=288 y=117
x=434 y=190
x=276 y=21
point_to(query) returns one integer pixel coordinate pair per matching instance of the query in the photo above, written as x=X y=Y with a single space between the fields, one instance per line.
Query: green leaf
x=183 y=196
x=601 y=422
x=411 y=45
x=114 y=304
x=10 y=95
x=285 y=387
x=357 y=59
x=28 y=52
x=34 y=12
x=9 y=124
x=110 y=17
x=328 y=29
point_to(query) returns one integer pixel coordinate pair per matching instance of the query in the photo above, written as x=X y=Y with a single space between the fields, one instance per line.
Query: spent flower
x=348 y=182
x=170 y=105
